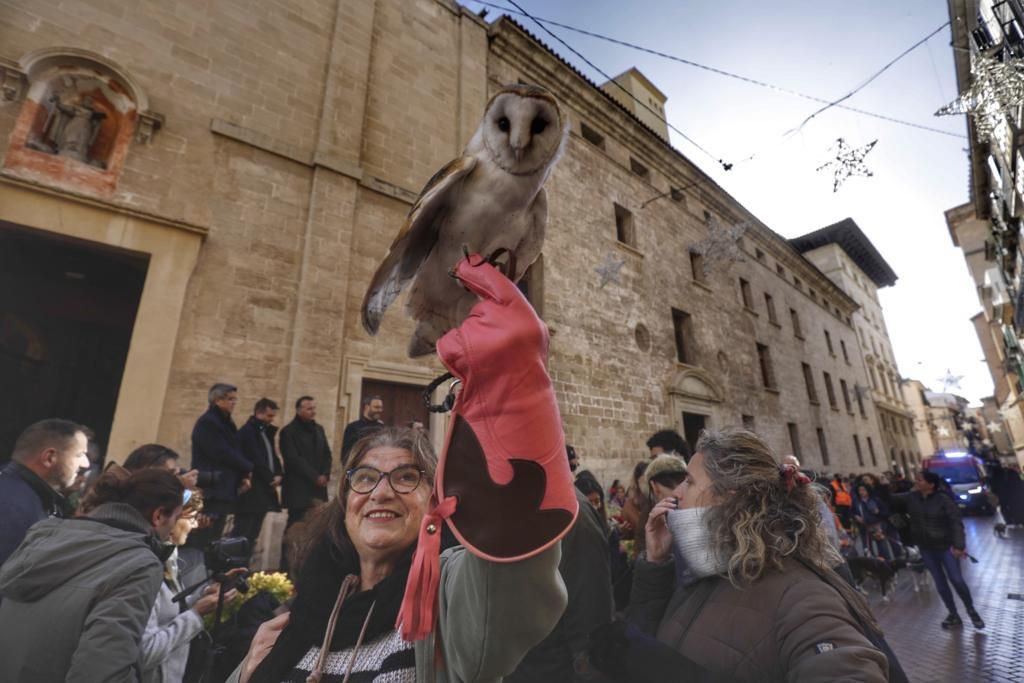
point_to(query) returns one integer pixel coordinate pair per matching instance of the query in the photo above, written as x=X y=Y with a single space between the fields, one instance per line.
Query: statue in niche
x=71 y=126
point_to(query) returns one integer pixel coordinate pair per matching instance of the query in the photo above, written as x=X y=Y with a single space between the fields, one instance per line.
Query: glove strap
x=418 y=612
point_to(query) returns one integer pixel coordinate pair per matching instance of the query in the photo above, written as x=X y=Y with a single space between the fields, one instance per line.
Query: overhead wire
x=729 y=74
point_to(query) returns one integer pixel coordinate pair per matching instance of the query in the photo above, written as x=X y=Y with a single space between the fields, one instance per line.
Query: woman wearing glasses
x=362 y=543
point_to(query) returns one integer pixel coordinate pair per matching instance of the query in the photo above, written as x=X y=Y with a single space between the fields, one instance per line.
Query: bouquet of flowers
x=276 y=583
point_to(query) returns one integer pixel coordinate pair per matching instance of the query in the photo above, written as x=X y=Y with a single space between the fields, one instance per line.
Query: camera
x=209 y=478
x=226 y=554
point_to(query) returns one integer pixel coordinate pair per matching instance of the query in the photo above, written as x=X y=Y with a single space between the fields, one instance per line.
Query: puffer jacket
x=935 y=520
x=788 y=626
x=76 y=597
x=163 y=651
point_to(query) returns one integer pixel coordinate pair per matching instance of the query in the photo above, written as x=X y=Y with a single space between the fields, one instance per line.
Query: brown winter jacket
x=789 y=626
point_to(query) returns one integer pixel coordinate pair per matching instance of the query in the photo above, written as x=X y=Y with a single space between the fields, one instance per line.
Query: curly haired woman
x=757 y=600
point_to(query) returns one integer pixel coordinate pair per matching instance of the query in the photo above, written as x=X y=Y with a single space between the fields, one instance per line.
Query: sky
x=824 y=48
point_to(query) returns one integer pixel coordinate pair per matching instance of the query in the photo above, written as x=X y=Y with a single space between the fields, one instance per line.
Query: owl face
x=523 y=129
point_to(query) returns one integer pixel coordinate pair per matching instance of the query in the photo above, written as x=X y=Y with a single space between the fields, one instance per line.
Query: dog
x=918 y=572
x=881 y=571
x=999 y=530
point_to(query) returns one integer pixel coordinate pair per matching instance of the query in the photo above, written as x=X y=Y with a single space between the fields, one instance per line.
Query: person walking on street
x=307 y=466
x=842 y=501
x=256 y=439
x=368 y=422
x=938 y=530
x=223 y=470
x=47 y=457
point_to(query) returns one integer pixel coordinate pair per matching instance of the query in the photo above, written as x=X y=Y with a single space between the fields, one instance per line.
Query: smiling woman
x=352 y=565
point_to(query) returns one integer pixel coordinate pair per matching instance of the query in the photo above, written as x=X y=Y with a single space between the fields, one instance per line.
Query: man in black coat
x=256 y=439
x=307 y=465
x=368 y=422
x=223 y=470
x=47 y=457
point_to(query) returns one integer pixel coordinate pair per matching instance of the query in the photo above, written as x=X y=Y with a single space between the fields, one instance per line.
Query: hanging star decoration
x=943 y=431
x=950 y=381
x=997 y=88
x=847 y=162
x=861 y=391
x=993 y=427
x=610 y=270
x=721 y=248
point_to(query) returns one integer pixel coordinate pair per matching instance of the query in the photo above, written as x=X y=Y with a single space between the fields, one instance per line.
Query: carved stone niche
x=78 y=120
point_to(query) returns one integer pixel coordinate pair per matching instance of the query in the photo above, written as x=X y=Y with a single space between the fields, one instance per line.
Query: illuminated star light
x=994 y=427
x=950 y=381
x=997 y=88
x=610 y=270
x=848 y=162
x=721 y=247
x=943 y=431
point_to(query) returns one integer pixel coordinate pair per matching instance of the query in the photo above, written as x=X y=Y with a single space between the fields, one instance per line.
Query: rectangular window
x=799 y=285
x=748 y=298
x=823 y=446
x=794 y=439
x=812 y=393
x=846 y=356
x=748 y=422
x=638 y=168
x=856 y=447
x=681 y=323
x=759 y=255
x=697 y=266
x=780 y=270
x=828 y=343
x=846 y=396
x=624 y=231
x=831 y=392
x=764 y=359
x=592 y=136
x=858 y=391
x=677 y=194
x=871 y=452
x=814 y=297
x=769 y=304
x=795 y=318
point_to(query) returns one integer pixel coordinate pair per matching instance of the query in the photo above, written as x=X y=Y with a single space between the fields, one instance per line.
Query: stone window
x=769 y=304
x=823 y=446
x=697 y=266
x=592 y=136
x=639 y=168
x=846 y=355
x=828 y=343
x=795 y=319
x=846 y=396
x=871 y=452
x=781 y=270
x=747 y=297
x=830 y=392
x=794 y=439
x=677 y=195
x=798 y=284
x=856 y=447
x=759 y=255
x=812 y=393
x=764 y=360
x=682 y=324
x=642 y=336
x=814 y=297
x=748 y=422
x=860 y=401
x=624 y=229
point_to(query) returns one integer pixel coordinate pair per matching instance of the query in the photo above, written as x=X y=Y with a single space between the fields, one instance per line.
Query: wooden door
x=403 y=403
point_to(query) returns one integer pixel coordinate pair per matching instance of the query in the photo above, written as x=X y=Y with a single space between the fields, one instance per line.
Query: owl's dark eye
x=538 y=125
x=503 y=124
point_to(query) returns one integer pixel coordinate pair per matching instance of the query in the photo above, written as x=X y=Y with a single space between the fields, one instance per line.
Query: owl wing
x=532 y=241
x=414 y=241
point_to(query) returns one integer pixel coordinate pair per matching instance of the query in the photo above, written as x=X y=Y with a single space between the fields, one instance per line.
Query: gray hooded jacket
x=76 y=597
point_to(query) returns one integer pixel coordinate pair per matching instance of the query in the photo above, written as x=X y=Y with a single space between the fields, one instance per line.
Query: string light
x=610 y=270
x=997 y=88
x=721 y=248
x=848 y=162
x=950 y=381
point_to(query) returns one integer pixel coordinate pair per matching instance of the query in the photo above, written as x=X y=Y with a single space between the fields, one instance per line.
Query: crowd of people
x=724 y=563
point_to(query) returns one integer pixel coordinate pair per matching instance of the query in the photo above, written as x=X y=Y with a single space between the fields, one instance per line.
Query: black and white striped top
x=389 y=659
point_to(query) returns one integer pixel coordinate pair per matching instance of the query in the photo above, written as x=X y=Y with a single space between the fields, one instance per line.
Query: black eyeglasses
x=403 y=479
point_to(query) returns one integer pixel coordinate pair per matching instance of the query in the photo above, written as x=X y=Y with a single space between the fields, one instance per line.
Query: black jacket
x=306 y=457
x=355 y=431
x=24 y=500
x=934 y=521
x=262 y=497
x=215 y=449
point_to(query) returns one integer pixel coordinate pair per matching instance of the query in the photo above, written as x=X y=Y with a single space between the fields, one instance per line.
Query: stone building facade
x=263 y=159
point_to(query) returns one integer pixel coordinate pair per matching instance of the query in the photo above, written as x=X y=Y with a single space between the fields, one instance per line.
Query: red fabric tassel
x=419 y=606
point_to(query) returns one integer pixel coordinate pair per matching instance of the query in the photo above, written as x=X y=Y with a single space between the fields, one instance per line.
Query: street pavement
x=930 y=654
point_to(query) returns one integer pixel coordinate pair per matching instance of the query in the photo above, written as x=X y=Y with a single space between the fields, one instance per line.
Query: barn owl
x=490 y=198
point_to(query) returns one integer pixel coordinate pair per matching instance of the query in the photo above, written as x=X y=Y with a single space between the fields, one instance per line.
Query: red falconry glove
x=503 y=482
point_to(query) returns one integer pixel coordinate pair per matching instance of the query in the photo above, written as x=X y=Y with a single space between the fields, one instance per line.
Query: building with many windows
x=226 y=207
